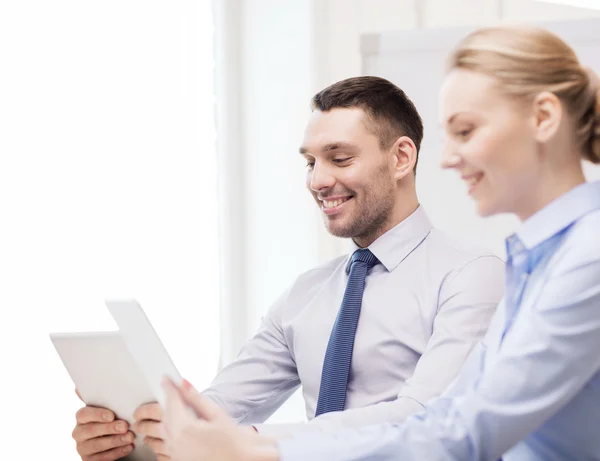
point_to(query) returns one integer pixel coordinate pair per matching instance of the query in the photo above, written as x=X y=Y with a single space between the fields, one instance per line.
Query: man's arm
x=262 y=377
x=467 y=301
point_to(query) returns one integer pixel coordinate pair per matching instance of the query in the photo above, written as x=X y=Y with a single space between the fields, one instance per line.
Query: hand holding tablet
x=119 y=371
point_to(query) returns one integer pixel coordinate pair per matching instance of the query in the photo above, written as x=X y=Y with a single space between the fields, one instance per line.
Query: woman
x=520 y=113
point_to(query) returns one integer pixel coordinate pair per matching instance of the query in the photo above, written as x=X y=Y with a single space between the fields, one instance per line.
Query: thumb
x=203 y=406
x=176 y=416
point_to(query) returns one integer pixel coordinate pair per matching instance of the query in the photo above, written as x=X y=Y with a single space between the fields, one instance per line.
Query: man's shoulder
x=323 y=271
x=466 y=267
x=459 y=248
x=451 y=254
x=311 y=282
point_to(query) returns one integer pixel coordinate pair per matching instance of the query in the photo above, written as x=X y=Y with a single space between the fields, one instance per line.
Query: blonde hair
x=527 y=61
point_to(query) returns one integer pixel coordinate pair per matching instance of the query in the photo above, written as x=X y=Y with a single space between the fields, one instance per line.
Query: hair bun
x=595 y=135
x=593 y=153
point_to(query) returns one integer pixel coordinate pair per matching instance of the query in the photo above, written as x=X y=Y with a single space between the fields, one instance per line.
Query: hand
x=211 y=435
x=100 y=437
x=148 y=422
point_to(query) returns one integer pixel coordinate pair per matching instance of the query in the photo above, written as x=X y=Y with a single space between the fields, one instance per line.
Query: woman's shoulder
x=581 y=246
x=585 y=233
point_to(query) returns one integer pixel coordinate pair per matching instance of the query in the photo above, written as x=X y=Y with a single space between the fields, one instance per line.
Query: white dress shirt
x=424 y=307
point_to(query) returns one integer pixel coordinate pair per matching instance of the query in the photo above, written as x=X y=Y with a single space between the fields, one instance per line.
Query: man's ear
x=403 y=157
x=547 y=116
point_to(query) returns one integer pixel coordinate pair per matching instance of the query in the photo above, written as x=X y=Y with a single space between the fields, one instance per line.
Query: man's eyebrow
x=331 y=147
x=338 y=146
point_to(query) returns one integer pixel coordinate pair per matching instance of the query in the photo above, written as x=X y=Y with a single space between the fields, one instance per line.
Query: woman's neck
x=553 y=183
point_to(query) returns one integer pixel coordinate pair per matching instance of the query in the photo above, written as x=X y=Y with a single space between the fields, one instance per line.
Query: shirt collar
x=559 y=214
x=397 y=243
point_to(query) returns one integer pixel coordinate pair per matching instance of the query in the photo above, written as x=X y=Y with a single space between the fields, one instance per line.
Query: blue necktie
x=336 y=367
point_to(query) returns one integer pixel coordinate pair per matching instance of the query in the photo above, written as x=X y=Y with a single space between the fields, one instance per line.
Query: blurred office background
x=148 y=149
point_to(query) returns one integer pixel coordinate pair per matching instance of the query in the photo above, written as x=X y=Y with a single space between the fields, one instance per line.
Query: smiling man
x=370 y=336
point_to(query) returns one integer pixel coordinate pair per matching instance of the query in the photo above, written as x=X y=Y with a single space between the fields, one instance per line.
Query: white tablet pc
x=144 y=345
x=118 y=370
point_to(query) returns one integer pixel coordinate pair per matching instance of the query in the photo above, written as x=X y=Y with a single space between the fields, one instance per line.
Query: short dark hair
x=391 y=112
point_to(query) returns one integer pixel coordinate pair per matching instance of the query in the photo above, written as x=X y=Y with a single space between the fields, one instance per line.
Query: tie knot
x=365 y=256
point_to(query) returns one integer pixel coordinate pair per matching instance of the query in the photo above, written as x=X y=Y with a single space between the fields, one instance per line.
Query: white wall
x=277 y=85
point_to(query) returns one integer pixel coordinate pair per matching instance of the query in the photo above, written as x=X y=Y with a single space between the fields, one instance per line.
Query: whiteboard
x=414 y=60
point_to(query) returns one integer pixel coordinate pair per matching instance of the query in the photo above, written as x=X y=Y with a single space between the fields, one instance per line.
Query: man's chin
x=337 y=229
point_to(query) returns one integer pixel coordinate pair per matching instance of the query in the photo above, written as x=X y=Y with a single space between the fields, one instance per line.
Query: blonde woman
x=520 y=113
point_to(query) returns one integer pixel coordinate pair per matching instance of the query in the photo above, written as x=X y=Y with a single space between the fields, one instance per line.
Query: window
x=108 y=189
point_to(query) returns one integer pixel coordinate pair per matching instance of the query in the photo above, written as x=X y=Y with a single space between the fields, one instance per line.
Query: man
x=424 y=299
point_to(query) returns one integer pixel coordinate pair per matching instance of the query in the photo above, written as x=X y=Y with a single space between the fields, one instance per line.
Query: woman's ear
x=548 y=114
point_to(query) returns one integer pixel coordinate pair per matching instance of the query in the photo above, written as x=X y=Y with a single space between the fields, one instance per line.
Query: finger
x=89 y=414
x=176 y=415
x=111 y=455
x=149 y=428
x=83 y=432
x=158 y=446
x=152 y=411
x=203 y=406
x=101 y=444
x=162 y=457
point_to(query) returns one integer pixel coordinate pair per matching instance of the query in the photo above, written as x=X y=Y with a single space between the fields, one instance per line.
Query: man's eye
x=341 y=160
x=310 y=165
